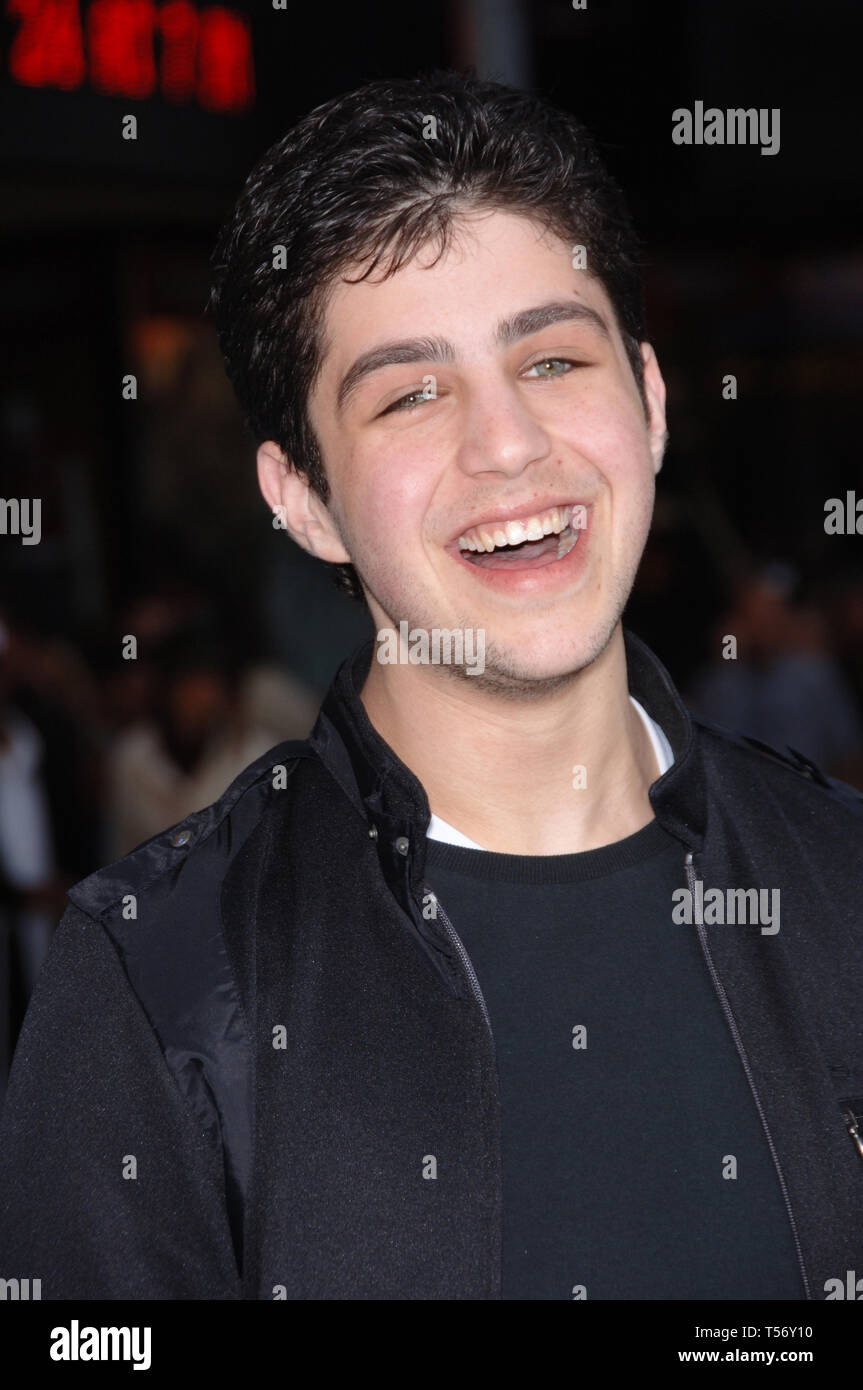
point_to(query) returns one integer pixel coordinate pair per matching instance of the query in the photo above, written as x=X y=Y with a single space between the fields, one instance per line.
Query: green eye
x=553 y=362
x=403 y=404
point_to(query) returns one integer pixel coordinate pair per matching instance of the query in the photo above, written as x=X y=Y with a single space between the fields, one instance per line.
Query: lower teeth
x=567 y=540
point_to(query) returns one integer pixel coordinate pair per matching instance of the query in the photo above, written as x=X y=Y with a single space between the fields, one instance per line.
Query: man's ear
x=290 y=496
x=654 y=390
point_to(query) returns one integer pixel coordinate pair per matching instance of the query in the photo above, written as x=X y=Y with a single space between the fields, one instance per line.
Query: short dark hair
x=358 y=180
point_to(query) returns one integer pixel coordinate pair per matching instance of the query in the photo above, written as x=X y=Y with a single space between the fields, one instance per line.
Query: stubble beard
x=504 y=675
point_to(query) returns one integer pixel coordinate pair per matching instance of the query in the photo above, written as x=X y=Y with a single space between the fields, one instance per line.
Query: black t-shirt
x=624 y=1104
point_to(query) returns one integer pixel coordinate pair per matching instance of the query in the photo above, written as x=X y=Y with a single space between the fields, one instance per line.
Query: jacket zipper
x=738 y=1042
x=478 y=996
x=853 y=1122
x=464 y=958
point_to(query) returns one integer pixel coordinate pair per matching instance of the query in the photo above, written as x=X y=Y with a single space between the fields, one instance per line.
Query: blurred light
x=134 y=46
x=120 y=44
x=48 y=49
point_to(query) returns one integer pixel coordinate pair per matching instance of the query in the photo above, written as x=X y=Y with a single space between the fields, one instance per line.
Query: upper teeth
x=529 y=528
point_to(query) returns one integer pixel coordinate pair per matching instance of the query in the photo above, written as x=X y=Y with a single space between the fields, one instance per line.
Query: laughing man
x=405 y=1014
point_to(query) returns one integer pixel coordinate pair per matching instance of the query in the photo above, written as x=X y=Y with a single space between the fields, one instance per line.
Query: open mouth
x=526 y=543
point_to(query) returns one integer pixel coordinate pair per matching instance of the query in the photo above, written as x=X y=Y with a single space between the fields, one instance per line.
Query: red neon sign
x=134 y=48
x=120 y=46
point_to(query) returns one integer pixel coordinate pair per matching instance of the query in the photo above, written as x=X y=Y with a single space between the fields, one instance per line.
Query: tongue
x=528 y=555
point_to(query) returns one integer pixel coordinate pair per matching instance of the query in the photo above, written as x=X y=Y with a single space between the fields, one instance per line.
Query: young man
x=512 y=981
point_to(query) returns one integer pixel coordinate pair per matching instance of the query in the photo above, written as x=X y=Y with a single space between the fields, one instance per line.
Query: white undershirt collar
x=440 y=830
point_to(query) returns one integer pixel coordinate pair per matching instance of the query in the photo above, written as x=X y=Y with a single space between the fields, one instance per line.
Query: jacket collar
x=394 y=803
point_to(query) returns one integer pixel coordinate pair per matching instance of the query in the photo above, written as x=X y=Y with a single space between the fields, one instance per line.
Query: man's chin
x=517 y=658
x=517 y=686
x=529 y=675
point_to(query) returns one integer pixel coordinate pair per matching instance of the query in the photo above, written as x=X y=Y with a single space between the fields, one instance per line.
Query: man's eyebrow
x=543 y=315
x=508 y=331
x=392 y=354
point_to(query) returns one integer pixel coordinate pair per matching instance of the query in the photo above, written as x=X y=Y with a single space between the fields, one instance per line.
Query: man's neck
x=560 y=775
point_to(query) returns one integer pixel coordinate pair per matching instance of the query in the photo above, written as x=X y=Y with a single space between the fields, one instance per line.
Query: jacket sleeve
x=109 y=1187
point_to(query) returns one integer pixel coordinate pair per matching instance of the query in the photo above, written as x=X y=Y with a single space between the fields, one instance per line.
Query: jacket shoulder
x=161 y=908
x=210 y=837
x=788 y=768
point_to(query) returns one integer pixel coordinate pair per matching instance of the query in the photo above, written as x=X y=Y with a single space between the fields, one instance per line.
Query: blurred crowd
x=789 y=671
x=98 y=753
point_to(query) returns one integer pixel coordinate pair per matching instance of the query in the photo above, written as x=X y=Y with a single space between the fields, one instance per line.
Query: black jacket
x=253 y=1031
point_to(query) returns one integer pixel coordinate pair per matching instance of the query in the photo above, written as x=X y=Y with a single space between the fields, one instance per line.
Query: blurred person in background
x=28 y=888
x=209 y=717
x=843 y=606
x=783 y=684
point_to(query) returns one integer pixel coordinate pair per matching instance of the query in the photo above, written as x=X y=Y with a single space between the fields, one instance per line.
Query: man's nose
x=500 y=434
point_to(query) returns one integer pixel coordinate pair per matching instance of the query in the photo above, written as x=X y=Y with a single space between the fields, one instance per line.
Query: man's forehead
x=360 y=315
x=471 y=238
